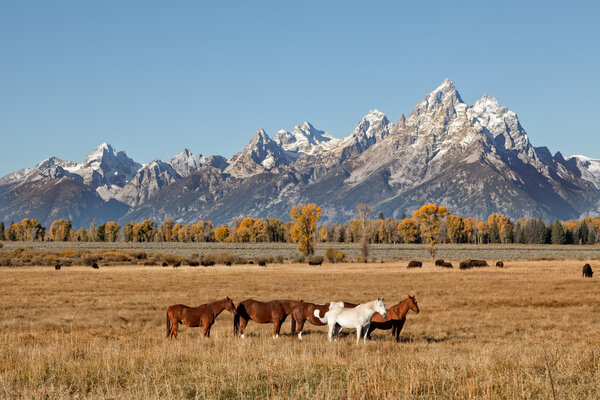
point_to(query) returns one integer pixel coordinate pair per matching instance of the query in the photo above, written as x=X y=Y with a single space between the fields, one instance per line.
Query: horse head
x=412 y=304
x=380 y=307
x=229 y=306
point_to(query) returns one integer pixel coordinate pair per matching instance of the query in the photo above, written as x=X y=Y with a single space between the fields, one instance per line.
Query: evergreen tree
x=558 y=233
x=2 y=230
x=582 y=233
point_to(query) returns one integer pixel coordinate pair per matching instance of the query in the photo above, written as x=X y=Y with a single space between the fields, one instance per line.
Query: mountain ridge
x=475 y=159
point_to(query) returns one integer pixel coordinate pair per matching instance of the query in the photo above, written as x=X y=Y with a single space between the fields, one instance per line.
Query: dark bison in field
x=447 y=265
x=587 y=271
x=466 y=264
x=415 y=264
x=95 y=266
x=317 y=260
x=439 y=263
x=57 y=267
x=499 y=264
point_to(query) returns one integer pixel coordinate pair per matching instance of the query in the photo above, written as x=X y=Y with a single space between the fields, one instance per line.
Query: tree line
x=429 y=224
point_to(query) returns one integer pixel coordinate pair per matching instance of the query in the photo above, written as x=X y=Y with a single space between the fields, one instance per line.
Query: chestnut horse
x=306 y=312
x=275 y=311
x=396 y=317
x=204 y=315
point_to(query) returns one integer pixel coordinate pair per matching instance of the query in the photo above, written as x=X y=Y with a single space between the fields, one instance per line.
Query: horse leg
x=331 y=326
x=300 y=328
x=175 y=327
x=399 y=329
x=276 y=328
x=243 y=323
x=207 y=331
x=366 y=329
x=369 y=331
x=358 y=332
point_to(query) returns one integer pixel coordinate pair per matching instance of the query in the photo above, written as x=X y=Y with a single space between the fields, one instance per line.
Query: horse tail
x=168 y=324
x=317 y=314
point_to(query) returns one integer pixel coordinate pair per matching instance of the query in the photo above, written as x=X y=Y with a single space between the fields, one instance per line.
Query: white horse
x=358 y=317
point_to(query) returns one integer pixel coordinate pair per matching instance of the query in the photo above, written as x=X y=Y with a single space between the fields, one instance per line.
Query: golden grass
x=482 y=333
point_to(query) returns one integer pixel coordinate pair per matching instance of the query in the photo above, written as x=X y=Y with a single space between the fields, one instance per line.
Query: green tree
x=558 y=233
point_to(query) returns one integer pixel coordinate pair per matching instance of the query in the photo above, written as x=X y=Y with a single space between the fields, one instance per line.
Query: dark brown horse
x=306 y=312
x=204 y=315
x=275 y=311
x=396 y=317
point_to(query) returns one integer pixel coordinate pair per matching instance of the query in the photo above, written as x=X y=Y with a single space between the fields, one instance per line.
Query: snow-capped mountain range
x=476 y=160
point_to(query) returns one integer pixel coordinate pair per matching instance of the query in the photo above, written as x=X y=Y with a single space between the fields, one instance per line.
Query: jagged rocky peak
x=304 y=138
x=445 y=95
x=501 y=123
x=148 y=180
x=112 y=166
x=261 y=154
x=186 y=163
x=374 y=125
x=588 y=167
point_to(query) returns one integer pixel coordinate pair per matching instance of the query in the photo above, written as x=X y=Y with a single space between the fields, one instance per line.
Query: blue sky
x=154 y=77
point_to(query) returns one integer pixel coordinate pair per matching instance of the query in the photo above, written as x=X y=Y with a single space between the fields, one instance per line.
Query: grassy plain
x=481 y=333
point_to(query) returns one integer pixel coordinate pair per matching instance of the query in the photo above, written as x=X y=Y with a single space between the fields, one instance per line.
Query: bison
x=499 y=264
x=95 y=266
x=57 y=267
x=587 y=271
x=415 y=264
x=466 y=264
x=164 y=264
x=447 y=265
x=439 y=263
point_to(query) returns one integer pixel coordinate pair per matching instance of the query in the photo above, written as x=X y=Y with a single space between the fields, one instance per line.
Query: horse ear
x=382 y=299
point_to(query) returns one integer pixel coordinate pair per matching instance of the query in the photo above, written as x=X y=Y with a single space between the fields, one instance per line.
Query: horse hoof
x=242 y=336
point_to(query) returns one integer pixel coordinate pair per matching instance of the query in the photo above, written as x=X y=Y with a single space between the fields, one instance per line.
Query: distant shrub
x=330 y=254
x=207 y=260
x=300 y=259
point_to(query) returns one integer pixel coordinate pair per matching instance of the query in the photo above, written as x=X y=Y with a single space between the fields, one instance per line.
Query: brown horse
x=306 y=312
x=275 y=311
x=204 y=315
x=396 y=317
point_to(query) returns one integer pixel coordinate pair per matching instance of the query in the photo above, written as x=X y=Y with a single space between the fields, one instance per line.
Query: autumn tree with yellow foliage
x=408 y=230
x=222 y=233
x=60 y=230
x=305 y=218
x=455 y=229
x=429 y=217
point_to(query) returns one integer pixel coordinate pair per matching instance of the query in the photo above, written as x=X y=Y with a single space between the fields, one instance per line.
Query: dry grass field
x=518 y=332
